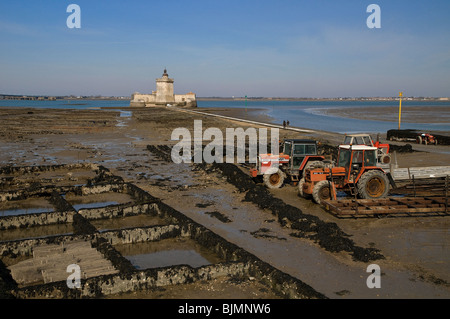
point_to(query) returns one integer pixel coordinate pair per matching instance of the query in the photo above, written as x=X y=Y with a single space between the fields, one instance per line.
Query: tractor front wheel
x=321 y=191
x=300 y=189
x=373 y=184
x=274 y=180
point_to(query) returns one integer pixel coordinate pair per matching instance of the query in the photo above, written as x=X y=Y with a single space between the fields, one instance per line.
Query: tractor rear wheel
x=321 y=191
x=419 y=139
x=274 y=180
x=373 y=184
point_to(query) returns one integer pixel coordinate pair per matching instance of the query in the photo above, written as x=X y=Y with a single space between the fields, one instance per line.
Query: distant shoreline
x=434 y=99
x=123 y=98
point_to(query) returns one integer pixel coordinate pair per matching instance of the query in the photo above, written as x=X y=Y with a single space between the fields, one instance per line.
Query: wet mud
x=219 y=216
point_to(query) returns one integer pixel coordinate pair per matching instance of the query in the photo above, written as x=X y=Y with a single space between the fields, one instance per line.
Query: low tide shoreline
x=409 y=114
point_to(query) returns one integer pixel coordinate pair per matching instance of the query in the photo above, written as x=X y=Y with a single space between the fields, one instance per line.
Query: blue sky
x=226 y=48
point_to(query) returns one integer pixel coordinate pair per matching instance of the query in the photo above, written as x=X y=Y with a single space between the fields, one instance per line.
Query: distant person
x=284 y=124
x=287 y=123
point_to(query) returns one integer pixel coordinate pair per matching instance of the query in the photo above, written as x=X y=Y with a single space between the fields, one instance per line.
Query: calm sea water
x=304 y=114
x=310 y=114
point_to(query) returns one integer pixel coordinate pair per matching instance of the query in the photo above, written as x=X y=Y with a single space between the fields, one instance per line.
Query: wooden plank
x=372 y=207
x=49 y=263
x=392 y=211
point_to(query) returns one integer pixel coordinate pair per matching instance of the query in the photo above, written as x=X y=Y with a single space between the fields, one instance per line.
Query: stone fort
x=163 y=96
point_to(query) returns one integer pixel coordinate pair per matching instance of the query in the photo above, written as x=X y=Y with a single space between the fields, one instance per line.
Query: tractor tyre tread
x=266 y=179
x=319 y=190
x=300 y=189
x=366 y=177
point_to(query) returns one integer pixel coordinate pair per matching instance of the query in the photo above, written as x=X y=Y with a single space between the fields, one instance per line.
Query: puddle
x=24 y=211
x=127 y=222
x=167 y=252
x=158 y=177
x=114 y=160
x=36 y=232
x=168 y=258
x=97 y=200
x=126 y=113
x=123 y=115
x=77 y=207
x=26 y=206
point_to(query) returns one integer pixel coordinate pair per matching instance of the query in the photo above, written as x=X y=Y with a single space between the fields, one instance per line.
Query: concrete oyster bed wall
x=236 y=261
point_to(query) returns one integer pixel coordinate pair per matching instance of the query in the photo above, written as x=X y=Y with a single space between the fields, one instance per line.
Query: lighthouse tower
x=164 y=89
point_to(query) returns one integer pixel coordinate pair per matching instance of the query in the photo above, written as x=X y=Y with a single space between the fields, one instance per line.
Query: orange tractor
x=296 y=155
x=426 y=138
x=356 y=173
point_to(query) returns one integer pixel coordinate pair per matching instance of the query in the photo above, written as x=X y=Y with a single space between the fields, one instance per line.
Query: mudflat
x=409 y=114
x=415 y=250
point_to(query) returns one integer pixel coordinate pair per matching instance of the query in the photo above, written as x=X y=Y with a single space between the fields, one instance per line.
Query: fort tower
x=163 y=96
x=164 y=89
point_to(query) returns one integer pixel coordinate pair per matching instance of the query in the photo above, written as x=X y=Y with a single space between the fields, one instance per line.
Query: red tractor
x=296 y=155
x=356 y=173
x=426 y=138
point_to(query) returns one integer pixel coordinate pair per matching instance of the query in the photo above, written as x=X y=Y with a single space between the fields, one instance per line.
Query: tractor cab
x=358 y=139
x=382 y=154
x=355 y=159
x=298 y=150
